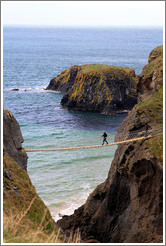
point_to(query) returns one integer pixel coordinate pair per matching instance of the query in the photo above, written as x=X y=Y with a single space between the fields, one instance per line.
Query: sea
x=32 y=56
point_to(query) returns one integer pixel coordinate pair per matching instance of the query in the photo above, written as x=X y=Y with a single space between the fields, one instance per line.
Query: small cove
x=33 y=56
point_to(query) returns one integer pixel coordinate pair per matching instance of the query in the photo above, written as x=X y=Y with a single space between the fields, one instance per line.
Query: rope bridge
x=89 y=147
x=120 y=138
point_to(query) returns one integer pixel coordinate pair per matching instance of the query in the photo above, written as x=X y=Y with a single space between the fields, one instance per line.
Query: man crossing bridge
x=104 y=137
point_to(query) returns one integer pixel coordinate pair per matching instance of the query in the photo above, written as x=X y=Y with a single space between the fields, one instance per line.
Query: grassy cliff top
x=153 y=65
x=99 y=68
x=94 y=70
x=155 y=53
x=155 y=61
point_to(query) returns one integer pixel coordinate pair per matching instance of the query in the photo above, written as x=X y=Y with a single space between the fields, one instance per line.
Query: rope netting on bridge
x=137 y=134
x=120 y=138
x=130 y=135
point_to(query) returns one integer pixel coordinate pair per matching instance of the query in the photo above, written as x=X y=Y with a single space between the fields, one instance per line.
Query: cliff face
x=127 y=207
x=23 y=210
x=12 y=139
x=151 y=77
x=96 y=87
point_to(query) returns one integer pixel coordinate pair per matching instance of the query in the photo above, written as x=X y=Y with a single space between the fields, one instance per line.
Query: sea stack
x=95 y=87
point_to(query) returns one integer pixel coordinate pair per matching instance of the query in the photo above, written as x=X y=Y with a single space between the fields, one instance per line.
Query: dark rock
x=16 y=191
x=59 y=83
x=15 y=89
x=12 y=139
x=7 y=174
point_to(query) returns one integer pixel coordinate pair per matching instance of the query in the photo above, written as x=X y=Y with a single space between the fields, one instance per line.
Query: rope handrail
x=136 y=133
x=88 y=147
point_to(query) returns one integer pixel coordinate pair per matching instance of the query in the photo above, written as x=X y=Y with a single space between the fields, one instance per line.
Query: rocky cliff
x=102 y=88
x=12 y=140
x=24 y=213
x=151 y=77
x=128 y=206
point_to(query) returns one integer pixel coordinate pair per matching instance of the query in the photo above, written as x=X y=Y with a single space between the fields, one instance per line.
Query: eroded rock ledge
x=94 y=87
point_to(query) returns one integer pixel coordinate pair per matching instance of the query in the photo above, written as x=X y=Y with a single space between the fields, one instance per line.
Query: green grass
x=26 y=219
x=93 y=68
x=155 y=146
x=152 y=107
x=14 y=232
x=25 y=202
x=18 y=230
x=156 y=63
x=158 y=51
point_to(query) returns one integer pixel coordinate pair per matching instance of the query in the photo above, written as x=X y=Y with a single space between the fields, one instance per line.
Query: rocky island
x=128 y=206
x=95 y=87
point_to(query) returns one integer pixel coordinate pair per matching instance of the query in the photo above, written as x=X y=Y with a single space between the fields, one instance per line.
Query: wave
x=27 y=89
x=24 y=89
x=65 y=208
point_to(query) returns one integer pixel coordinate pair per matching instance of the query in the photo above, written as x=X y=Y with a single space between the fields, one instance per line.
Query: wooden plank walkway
x=89 y=147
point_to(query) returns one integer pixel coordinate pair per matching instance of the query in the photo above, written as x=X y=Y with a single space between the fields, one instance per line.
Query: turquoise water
x=33 y=56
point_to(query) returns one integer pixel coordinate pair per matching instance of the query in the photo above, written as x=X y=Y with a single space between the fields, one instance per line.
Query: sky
x=83 y=13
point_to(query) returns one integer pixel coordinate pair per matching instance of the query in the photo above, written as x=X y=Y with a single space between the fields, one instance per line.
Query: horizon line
x=81 y=26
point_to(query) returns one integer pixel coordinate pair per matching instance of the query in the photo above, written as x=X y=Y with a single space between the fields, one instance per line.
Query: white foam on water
x=25 y=89
x=66 y=208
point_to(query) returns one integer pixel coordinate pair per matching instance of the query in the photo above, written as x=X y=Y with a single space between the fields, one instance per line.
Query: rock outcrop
x=151 y=77
x=101 y=88
x=128 y=206
x=12 y=139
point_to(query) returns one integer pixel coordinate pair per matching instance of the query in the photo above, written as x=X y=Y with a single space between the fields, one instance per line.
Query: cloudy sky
x=83 y=13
